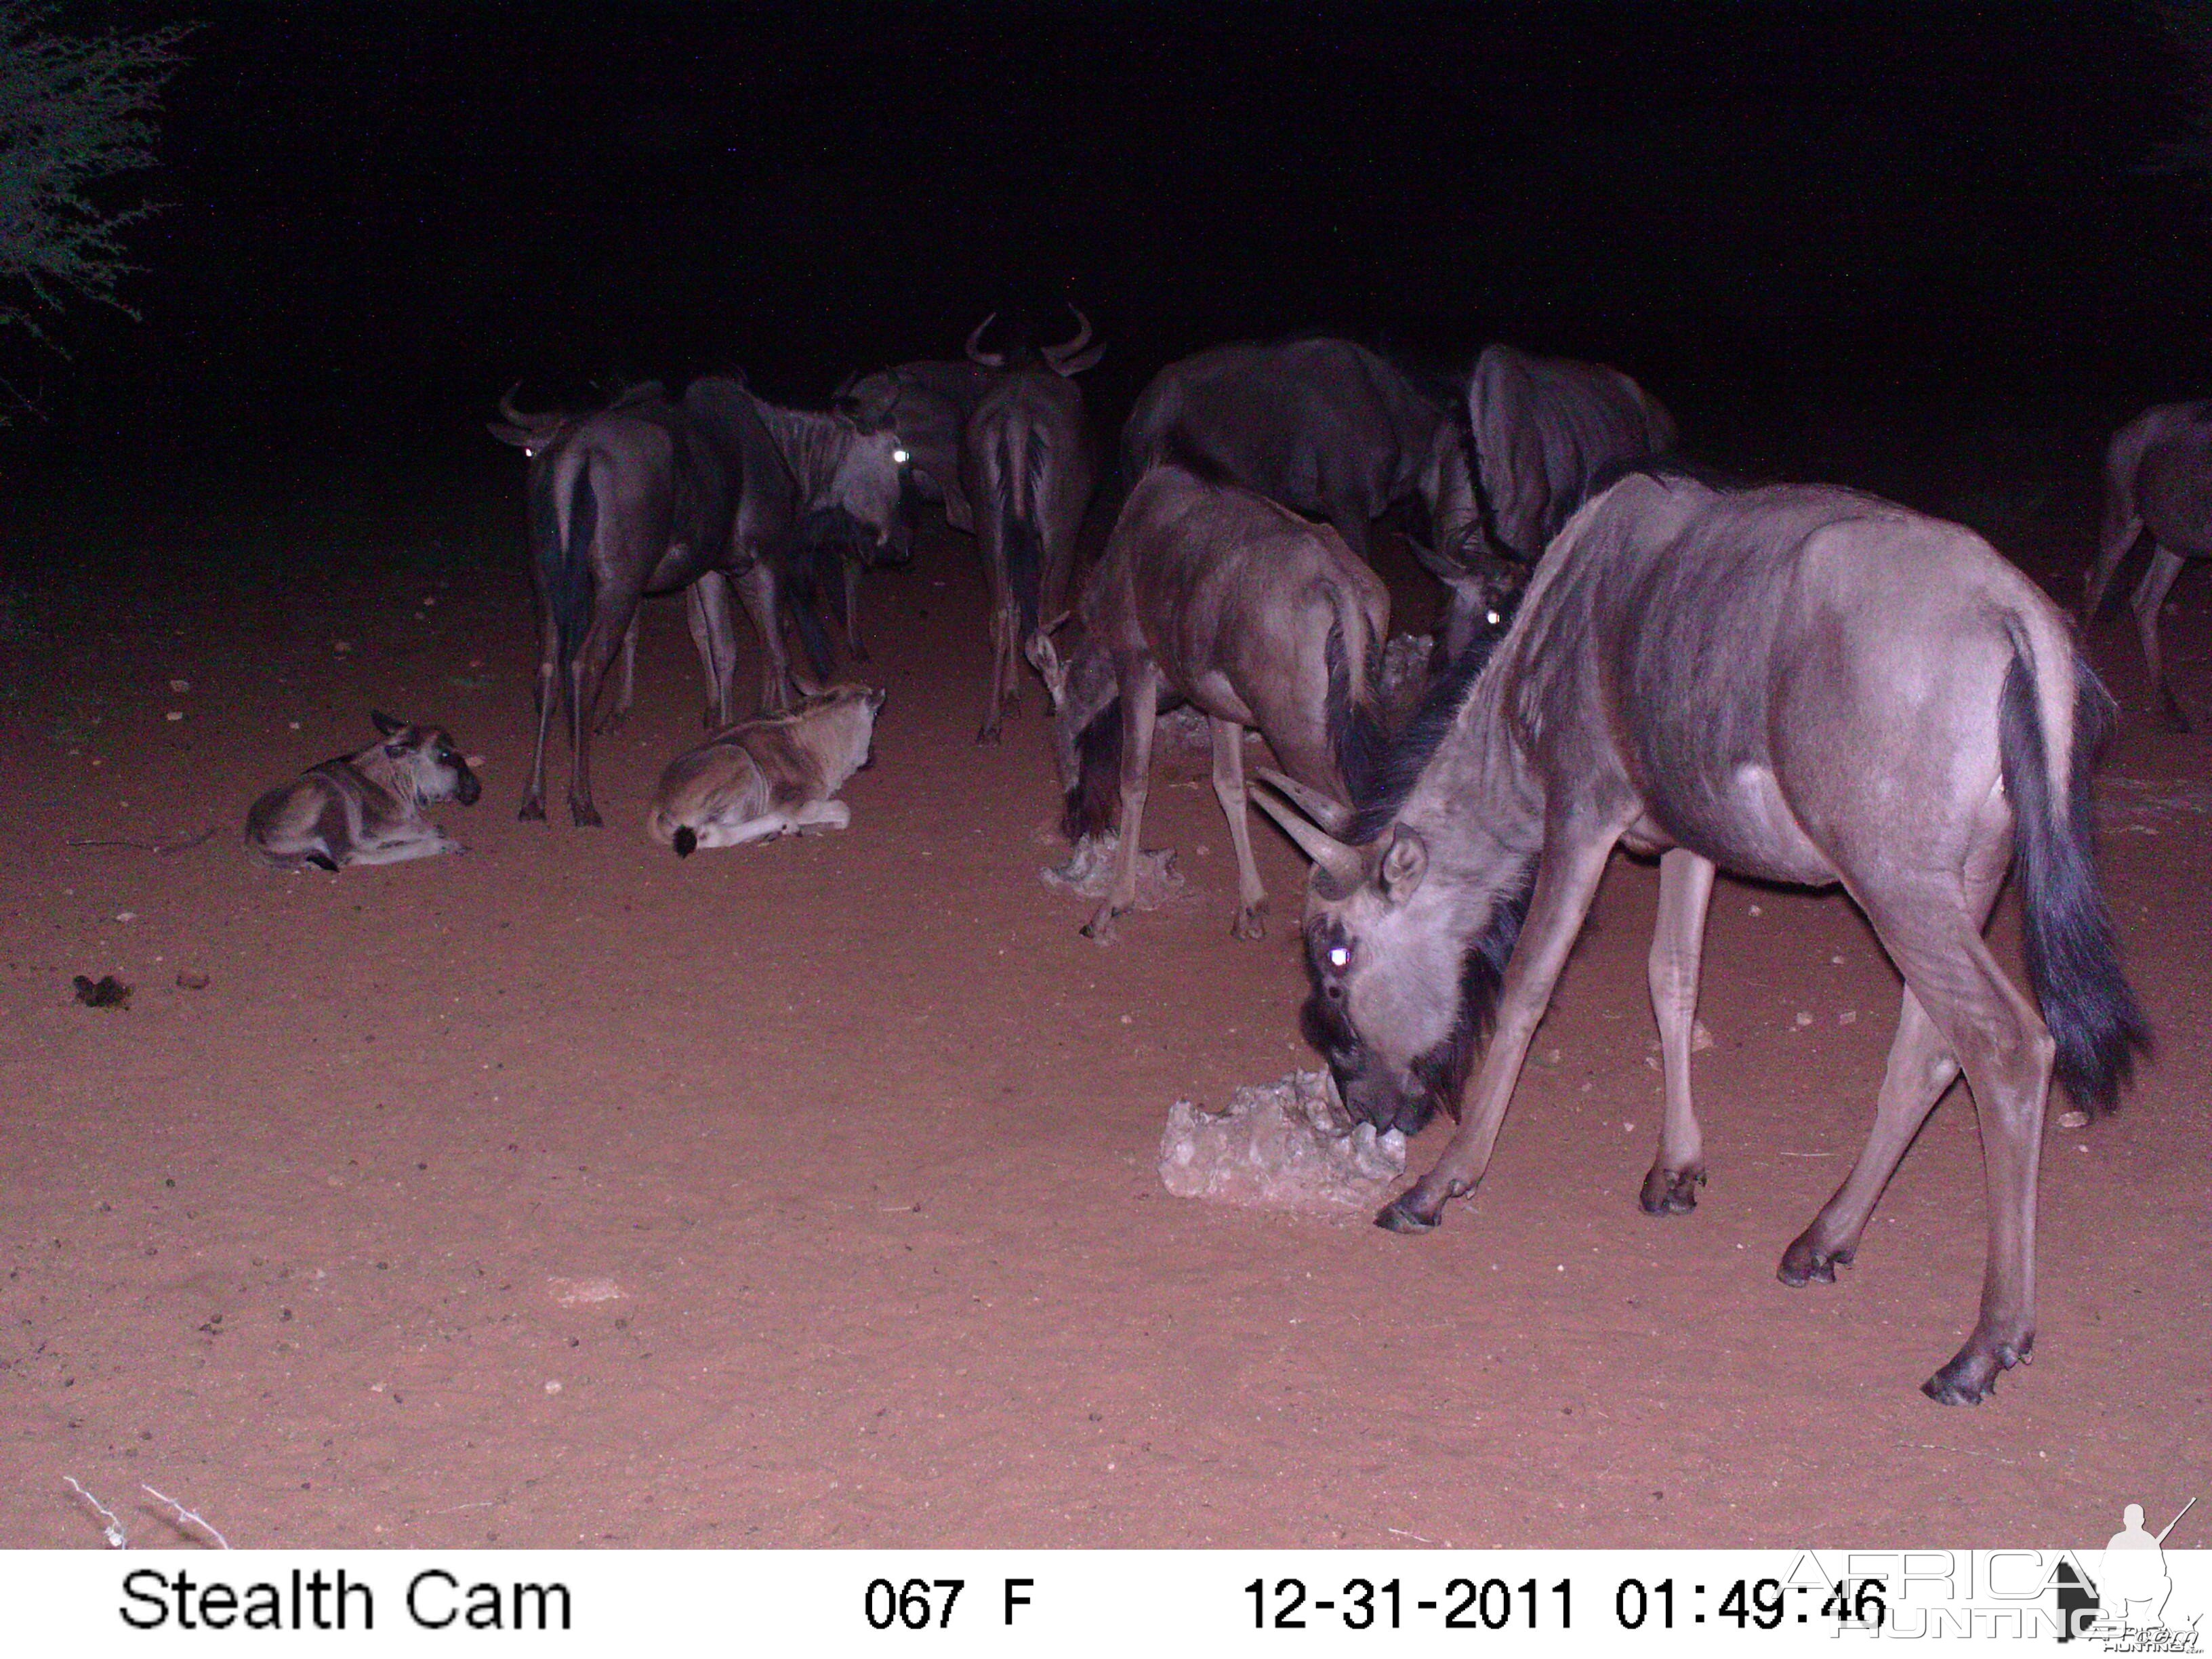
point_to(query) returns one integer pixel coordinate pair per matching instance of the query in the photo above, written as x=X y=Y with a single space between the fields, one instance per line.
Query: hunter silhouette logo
x=2123 y=1607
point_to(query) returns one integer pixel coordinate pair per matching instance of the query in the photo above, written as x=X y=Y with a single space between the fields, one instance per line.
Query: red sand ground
x=566 y=1193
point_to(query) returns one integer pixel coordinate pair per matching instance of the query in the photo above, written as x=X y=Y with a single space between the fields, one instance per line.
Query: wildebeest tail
x=2073 y=963
x=1018 y=498
x=802 y=595
x=564 y=553
x=1092 y=796
x=1357 y=736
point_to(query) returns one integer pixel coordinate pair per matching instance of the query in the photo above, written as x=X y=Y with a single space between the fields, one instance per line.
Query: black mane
x=1375 y=807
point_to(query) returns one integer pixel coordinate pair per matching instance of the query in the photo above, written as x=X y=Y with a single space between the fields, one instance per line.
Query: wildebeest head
x=1403 y=971
x=530 y=432
x=1085 y=728
x=870 y=491
x=425 y=757
x=1067 y=359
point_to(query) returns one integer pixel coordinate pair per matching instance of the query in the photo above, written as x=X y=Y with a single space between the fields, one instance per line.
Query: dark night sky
x=381 y=216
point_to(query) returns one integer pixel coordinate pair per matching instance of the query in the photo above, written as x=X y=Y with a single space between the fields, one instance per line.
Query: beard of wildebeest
x=1398 y=1022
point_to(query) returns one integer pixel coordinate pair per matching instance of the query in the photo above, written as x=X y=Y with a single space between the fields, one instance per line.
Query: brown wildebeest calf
x=1211 y=595
x=1796 y=684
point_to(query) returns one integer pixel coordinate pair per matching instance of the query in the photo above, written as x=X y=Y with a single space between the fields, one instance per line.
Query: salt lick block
x=1282 y=1146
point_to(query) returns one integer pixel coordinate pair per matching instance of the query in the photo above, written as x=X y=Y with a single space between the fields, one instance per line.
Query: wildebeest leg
x=549 y=699
x=425 y=843
x=1250 y=919
x=853 y=609
x=587 y=676
x=715 y=636
x=807 y=815
x=1140 y=696
x=2116 y=536
x=1686 y=888
x=1999 y=1041
x=1567 y=881
x=2149 y=599
x=756 y=590
x=626 y=688
x=1921 y=1068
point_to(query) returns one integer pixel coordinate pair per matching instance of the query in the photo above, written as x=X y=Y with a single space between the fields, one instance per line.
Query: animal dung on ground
x=1089 y=871
x=768 y=777
x=109 y=992
x=1280 y=1145
x=190 y=979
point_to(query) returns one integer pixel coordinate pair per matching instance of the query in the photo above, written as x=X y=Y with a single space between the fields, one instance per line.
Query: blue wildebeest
x=1796 y=684
x=647 y=496
x=1027 y=469
x=1534 y=434
x=1211 y=595
x=927 y=403
x=2157 y=476
x=1324 y=427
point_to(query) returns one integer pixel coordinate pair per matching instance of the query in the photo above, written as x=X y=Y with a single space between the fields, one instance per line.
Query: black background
x=379 y=217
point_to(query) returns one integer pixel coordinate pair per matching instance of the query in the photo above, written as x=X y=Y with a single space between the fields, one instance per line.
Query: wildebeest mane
x=1375 y=807
x=1442 y=1070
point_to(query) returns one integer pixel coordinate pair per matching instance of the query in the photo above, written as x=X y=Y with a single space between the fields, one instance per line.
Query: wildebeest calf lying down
x=367 y=807
x=768 y=777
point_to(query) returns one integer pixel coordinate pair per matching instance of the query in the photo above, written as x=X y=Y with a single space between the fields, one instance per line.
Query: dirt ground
x=564 y=1193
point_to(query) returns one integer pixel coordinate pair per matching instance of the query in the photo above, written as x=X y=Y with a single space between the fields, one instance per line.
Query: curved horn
x=1342 y=862
x=1056 y=355
x=1325 y=809
x=975 y=352
x=508 y=411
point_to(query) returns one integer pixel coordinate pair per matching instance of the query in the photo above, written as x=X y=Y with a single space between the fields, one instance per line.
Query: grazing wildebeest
x=722 y=491
x=1538 y=432
x=767 y=777
x=1798 y=683
x=2157 y=476
x=365 y=807
x=1027 y=469
x=1210 y=594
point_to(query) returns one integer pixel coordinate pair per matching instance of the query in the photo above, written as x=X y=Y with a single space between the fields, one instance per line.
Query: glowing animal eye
x=903 y=457
x=1338 y=957
x=1493 y=617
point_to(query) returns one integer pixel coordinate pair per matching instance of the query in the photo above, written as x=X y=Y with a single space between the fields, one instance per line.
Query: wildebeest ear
x=1403 y=865
x=384 y=723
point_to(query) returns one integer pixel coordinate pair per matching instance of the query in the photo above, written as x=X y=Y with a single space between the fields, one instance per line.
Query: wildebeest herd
x=1796 y=684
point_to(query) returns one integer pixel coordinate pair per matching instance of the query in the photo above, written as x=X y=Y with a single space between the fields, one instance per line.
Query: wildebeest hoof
x=586 y=816
x=1099 y=928
x=532 y=811
x=1803 y=1262
x=2176 y=719
x=1671 y=1192
x=1971 y=1375
x=1403 y=1215
x=1251 y=923
x=990 y=734
x=610 y=722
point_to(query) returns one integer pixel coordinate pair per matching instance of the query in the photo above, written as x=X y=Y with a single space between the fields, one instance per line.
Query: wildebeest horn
x=1332 y=814
x=1342 y=862
x=1058 y=356
x=975 y=352
x=1445 y=570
